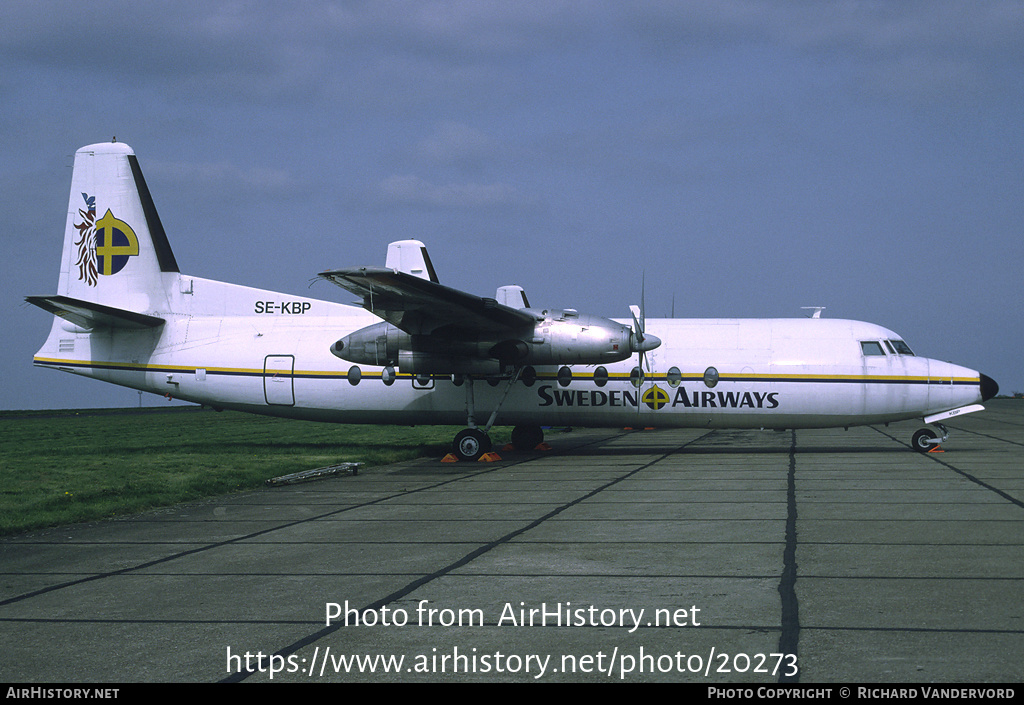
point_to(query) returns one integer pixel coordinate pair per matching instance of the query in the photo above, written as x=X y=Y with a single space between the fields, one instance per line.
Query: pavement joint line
x=468 y=558
x=941 y=461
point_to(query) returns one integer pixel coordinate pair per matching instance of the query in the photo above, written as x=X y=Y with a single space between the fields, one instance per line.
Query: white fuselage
x=258 y=351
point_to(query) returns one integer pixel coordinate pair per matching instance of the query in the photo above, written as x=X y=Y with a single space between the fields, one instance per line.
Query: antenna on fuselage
x=816 y=309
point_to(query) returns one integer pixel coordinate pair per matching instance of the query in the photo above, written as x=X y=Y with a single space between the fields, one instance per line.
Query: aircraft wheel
x=470 y=444
x=527 y=437
x=921 y=439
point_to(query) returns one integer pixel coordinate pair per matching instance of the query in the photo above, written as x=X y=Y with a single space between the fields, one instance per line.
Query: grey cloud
x=414 y=191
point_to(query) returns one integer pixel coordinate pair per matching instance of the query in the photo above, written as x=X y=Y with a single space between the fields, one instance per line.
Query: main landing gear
x=473 y=442
x=470 y=444
x=927 y=439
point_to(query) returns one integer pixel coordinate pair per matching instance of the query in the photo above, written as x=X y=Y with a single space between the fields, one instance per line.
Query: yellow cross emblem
x=115 y=243
x=655 y=397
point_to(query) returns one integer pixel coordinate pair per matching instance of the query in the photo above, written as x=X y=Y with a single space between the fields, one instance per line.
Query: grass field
x=61 y=467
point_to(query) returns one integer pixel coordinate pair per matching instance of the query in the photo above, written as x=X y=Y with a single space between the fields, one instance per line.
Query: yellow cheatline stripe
x=184 y=369
x=827 y=377
x=648 y=377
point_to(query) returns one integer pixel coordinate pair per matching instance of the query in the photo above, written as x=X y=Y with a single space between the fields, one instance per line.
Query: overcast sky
x=745 y=158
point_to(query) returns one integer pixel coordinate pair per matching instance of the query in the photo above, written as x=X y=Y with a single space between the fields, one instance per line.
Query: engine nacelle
x=425 y=363
x=384 y=345
x=574 y=339
x=374 y=345
x=558 y=338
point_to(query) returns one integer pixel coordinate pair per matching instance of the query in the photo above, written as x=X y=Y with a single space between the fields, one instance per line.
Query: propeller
x=639 y=340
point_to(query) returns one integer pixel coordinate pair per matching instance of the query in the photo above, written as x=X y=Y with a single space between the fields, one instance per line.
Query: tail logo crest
x=104 y=245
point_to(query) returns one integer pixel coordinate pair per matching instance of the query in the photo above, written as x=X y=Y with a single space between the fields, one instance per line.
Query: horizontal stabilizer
x=86 y=314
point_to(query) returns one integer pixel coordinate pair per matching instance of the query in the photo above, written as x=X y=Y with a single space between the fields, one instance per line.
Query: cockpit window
x=901 y=347
x=872 y=347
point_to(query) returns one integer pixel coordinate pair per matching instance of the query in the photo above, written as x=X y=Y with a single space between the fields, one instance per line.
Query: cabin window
x=901 y=347
x=711 y=377
x=564 y=376
x=636 y=376
x=872 y=347
x=674 y=377
x=354 y=375
x=600 y=376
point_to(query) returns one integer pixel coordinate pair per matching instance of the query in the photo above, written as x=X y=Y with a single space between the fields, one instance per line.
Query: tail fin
x=115 y=249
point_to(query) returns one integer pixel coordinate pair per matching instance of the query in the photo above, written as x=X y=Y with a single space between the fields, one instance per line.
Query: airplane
x=413 y=351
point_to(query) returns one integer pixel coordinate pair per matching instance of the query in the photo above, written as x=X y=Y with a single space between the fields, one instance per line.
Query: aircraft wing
x=420 y=306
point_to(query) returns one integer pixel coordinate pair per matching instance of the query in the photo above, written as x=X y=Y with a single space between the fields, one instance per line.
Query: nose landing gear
x=928 y=439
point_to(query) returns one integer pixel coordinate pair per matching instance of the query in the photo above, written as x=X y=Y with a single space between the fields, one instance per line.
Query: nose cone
x=989 y=388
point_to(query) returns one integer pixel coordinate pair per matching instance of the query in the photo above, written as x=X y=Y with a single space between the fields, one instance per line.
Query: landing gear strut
x=927 y=439
x=473 y=442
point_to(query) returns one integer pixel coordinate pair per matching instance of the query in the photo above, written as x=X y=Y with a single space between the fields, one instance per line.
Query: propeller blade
x=639 y=340
x=638 y=326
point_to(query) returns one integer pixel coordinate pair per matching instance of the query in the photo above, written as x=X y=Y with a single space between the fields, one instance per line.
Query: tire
x=921 y=438
x=470 y=444
x=527 y=437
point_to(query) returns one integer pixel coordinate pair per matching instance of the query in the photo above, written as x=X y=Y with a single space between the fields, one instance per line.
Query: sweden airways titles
x=656 y=398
